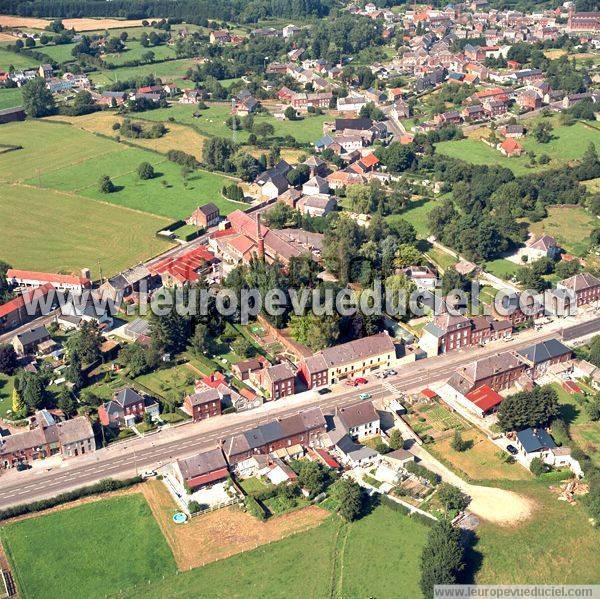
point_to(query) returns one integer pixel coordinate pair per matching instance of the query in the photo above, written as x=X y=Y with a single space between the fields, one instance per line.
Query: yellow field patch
x=178 y=137
x=77 y=24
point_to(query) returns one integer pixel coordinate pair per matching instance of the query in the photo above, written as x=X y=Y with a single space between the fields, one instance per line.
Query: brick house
x=540 y=356
x=205 y=216
x=518 y=310
x=27 y=342
x=203 y=404
x=509 y=147
x=15 y=312
x=355 y=358
x=201 y=470
x=301 y=429
x=278 y=380
x=126 y=408
x=48 y=437
x=585 y=287
x=359 y=421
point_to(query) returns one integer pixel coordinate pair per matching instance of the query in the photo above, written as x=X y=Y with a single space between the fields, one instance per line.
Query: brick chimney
x=259 y=237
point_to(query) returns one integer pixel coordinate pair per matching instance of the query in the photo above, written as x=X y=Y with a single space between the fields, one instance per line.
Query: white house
x=359 y=421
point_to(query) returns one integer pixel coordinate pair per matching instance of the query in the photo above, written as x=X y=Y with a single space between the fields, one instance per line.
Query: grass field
x=569 y=225
x=568 y=143
x=556 y=546
x=6 y=387
x=58 y=232
x=168 y=72
x=92 y=550
x=172 y=382
x=501 y=268
x=46 y=147
x=178 y=136
x=212 y=122
x=60 y=53
x=416 y=215
x=441 y=258
x=481 y=461
x=10 y=97
x=19 y=61
x=134 y=51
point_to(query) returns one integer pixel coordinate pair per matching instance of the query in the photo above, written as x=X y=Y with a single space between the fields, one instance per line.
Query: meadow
x=51 y=231
x=92 y=550
x=569 y=225
x=171 y=71
x=10 y=97
x=568 y=143
x=19 y=61
x=134 y=51
x=211 y=122
x=416 y=214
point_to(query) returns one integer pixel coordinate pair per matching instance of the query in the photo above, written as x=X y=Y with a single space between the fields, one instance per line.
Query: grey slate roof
x=544 y=351
x=535 y=439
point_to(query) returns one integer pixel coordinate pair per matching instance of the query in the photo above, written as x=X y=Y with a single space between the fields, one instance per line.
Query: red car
x=361 y=381
x=350 y=383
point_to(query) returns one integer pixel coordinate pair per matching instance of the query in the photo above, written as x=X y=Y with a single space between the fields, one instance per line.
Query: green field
x=10 y=97
x=6 y=387
x=134 y=51
x=569 y=225
x=172 y=70
x=557 y=545
x=73 y=160
x=502 y=268
x=92 y=550
x=19 y=61
x=568 y=143
x=60 y=53
x=172 y=382
x=212 y=122
x=416 y=215
x=54 y=232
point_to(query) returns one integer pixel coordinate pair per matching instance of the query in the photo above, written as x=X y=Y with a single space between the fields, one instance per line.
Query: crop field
x=53 y=231
x=568 y=143
x=211 y=122
x=569 y=225
x=77 y=24
x=92 y=550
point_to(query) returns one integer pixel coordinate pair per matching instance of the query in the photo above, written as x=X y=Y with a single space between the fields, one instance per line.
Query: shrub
x=145 y=171
x=106 y=185
x=537 y=467
x=255 y=509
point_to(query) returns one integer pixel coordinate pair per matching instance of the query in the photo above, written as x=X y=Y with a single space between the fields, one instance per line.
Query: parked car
x=391 y=372
x=350 y=383
x=365 y=396
x=22 y=466
x=512 y=449
x=149 y=474
x=324 y=391
x=361 y=381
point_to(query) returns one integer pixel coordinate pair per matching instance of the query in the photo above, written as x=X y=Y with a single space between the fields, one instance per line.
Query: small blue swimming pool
x=179 y=518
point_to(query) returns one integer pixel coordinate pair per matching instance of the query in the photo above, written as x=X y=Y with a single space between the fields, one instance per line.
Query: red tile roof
x=484 y=397
x=183 y=268
x=46 y=277
x=19 y=302
x=428 y=393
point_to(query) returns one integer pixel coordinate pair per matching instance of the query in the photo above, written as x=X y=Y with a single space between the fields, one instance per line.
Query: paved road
x=135 y=455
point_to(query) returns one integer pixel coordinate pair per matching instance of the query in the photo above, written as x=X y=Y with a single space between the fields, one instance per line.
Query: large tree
x=528 y=409
x=350 y=498
x=38 y=100
x=8 y=359
x=442 y=559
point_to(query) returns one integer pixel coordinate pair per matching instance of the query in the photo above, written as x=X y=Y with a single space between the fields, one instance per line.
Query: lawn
x=480 y=462
x=556 y=546
x=571 y=411
x=416 y=214
x=211 y=122
x=93 y=550
x=56 y=232
x=10 y=97
x=569 y=225
x=173 y=383
x=441 y=258
x=501 y=268
x=6 y=387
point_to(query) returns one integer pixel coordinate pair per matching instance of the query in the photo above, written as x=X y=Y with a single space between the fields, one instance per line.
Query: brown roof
x=360 y=349
x=280 y=372
x=581 y=282
x=490 y=366
x=315 y=363
x=203 y=397
x=359 y=413
x=203 y=463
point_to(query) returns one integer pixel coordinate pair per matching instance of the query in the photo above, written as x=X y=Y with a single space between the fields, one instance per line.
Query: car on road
x=365 y=396
x=324 y=391
x=391 y=372
x=512 y=449
x=361 y=381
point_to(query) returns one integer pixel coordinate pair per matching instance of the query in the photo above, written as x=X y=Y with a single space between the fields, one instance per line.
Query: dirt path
x=499 y=506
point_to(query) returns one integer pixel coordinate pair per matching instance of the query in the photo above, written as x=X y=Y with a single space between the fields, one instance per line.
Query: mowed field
x=74 y=160
x=568 y=143
x=92 y=550
x=212 y=122
x=77 y=24
x=52 y=231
